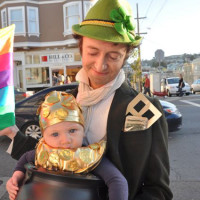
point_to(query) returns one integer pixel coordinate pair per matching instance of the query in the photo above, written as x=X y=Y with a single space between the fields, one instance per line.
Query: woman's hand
x=9 y=131
x=12 y=184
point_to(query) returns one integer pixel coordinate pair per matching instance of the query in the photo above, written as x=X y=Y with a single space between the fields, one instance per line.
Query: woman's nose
x=100 y=64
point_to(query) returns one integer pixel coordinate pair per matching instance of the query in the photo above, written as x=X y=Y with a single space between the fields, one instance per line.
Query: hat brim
x=104 y=33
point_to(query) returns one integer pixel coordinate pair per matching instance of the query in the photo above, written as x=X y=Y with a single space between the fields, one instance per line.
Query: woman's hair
x=129 y=47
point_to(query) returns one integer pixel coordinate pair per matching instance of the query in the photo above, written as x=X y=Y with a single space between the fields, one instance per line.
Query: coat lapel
x=116 y=119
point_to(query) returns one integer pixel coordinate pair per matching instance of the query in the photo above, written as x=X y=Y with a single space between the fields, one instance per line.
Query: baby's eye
x=72 y=130
x=55 y=134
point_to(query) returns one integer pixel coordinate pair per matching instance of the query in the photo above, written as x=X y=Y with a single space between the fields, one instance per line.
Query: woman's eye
x=92 y=53
x=114 y=57
x=54 y=134
x=72 y=130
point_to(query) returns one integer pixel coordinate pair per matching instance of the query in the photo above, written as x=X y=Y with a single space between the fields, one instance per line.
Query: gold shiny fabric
x=59 y=107
x=80 y=160
x=136 y=111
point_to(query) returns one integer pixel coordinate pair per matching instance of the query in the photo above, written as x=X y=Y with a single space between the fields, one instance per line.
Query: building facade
x=196 y=69
x=43 y=44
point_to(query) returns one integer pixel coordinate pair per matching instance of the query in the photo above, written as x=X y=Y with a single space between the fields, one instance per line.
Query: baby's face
x=67 y=135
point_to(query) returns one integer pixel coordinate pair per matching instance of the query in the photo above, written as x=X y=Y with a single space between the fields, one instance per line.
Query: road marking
x=3 y=186
x=192 y=103
x=195 y=99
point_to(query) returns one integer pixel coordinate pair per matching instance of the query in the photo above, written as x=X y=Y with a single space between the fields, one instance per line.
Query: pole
x=82 y=10
x=139 y=54
x=139 y=51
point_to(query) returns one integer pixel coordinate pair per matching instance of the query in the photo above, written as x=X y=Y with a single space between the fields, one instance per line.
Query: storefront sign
x=56 y=58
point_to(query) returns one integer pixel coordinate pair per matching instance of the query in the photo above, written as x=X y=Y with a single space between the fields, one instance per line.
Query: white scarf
x=87 y=96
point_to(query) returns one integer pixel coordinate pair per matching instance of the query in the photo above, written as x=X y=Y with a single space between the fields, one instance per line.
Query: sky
x=171 y=25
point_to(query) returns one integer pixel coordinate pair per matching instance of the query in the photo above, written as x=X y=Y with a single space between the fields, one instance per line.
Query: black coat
x=142 y=156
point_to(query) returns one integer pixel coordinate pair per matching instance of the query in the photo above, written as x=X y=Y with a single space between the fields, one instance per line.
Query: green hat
x=111 y=21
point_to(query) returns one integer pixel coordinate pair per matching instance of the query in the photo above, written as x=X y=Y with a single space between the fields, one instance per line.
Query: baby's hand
x=12 y=187
x=12 y=184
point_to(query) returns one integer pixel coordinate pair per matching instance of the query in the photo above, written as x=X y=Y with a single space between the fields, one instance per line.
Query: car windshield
x=174 y=80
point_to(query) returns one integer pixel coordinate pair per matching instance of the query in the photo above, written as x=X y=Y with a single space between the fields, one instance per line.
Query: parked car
x=27 y=120
x=21 y=93
x=25 y=110
x=195 y=87
x=170 y=85
x=173 y=116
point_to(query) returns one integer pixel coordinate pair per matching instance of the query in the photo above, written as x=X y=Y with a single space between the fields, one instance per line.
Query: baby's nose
x=66 y=141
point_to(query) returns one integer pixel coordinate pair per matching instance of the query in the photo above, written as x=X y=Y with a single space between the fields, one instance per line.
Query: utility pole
x=82 y=3
x=139 y=53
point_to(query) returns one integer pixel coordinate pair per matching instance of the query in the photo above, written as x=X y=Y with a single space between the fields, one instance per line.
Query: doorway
x=58 y=74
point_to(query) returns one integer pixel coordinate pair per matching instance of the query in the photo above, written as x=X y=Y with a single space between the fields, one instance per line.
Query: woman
x=137 y=138
x=180 y=85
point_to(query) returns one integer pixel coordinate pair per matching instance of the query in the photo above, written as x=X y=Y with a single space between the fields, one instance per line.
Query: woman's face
x=102 y=60
x=67 y=135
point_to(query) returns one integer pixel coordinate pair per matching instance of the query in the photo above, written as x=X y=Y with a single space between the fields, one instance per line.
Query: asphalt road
x=6 y=167
x=184 y=150
x=184 y=153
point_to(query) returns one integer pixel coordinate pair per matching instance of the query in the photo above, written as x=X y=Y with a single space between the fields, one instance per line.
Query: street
x=184 y=152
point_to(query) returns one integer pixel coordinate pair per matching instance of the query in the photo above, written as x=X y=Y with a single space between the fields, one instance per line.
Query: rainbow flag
x=7 y=98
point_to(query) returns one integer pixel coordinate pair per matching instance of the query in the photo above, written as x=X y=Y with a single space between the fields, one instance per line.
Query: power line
x=148 y=8
x=158 y=12
x=138 y=22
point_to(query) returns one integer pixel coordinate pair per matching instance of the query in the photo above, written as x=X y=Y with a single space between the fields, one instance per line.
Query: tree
x=137 y=74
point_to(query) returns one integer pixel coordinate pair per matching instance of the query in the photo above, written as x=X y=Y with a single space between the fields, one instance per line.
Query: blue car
x=173 y=116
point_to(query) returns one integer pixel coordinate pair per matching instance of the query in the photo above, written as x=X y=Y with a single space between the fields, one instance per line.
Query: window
x=33 y=21
x=28 y=59
x=16 y=16
x=173 y=80
x=32 y=59
x=77 y=56
x=38 y=75
x=4 y=18
x=72 y=12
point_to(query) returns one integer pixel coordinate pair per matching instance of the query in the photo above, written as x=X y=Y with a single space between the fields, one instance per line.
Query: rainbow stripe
x=7 y=99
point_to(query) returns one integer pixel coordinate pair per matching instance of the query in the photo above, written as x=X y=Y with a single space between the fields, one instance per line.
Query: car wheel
x=187 y=93
x=168 y=93
x=32 y=129
x=193 y=92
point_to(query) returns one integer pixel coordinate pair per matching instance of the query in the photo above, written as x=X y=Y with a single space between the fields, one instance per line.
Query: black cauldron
x=41 y=184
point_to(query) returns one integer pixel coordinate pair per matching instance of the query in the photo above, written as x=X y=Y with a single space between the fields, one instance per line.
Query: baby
x=60 y=148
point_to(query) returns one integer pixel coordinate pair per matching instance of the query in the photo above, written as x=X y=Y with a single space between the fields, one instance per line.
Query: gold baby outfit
x=82 y=159
x=59 y=107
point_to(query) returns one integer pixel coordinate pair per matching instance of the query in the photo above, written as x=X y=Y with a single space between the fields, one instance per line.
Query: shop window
x=35 y=76
x=77 y=56
x=4 y=18
x=72 y=12
x=16 y=16
x=33 y=21
x=21 y=85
